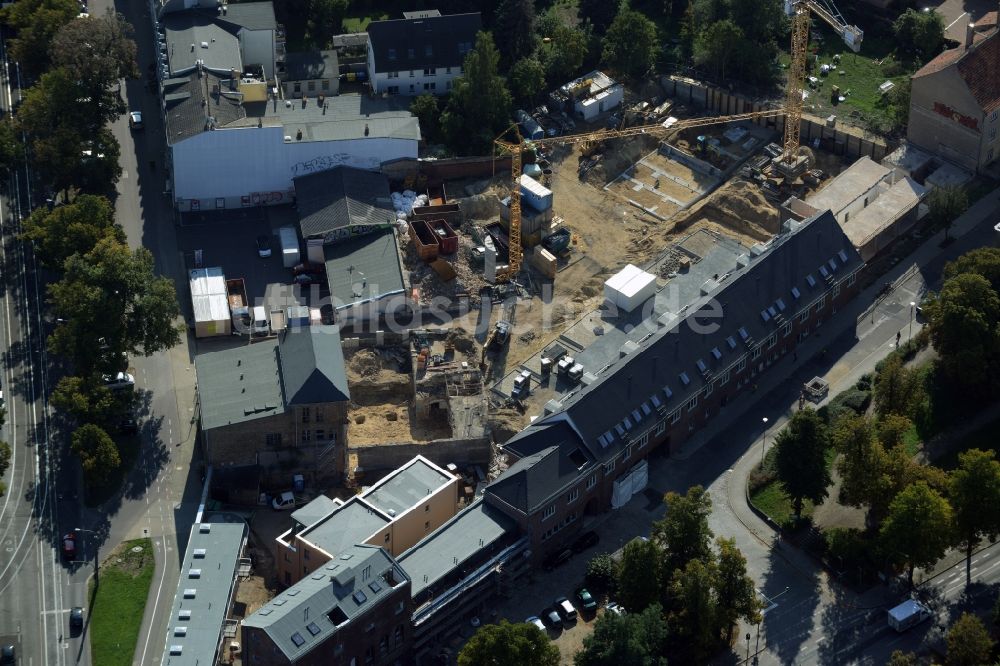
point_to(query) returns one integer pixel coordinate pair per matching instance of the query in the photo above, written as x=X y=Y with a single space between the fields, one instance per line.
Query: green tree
x=897 y=107
x=11 y=149
x=527 y=80
x=565 y=54
x=71 y=229
x=602 y=572
x=919 y=33
x=892 y=430
x=717 y=47
x=900 y=658
x=85 y=400
x=479 y=108
x=860 y=461
x=36 y=22
x=639 y=575
x=735 y=591
x=683 y=531
x=326 y=18
x=5 y=454
x=56 y=125
x=918 y=529
x=634 y=639
x=514 y=23
x=630 y=45
x=800 y=459
x=97 y=452
x=984 y=260
x=964 y=321
x=425 y=108
x=969 y=643
x=975 y=499
x=599 y=13
x=507 y=644
x=946 y=203
x=693 y=622
x=898 y=389
x=110 y=297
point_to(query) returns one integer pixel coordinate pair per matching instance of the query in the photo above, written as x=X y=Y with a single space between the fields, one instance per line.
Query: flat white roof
x=529 y=183
x=630 y=280
x=208 y=294
x=847 y=186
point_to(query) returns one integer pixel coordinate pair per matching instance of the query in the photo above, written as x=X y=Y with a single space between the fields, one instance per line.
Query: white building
x=419 y=54
x=590 y=95
x=234 y=139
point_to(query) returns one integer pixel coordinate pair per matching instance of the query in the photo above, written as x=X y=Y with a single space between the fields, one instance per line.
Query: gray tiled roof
x=302 y=366
x=353 y=523
x=450 y=546
x=549 y=457
x=305 y=65
x=406 y=487
x=302 y=613
x=250 y=15
x=312 y=365
x=317 y=509
x=767 y=281
x=185 y=32
x=433 y=41
x=340 y=197
x=376 y=266
x=186 y=116
x=209 y=568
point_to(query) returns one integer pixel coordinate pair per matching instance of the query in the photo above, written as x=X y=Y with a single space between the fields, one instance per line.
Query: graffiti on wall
x=961 y=118
x=324 y=162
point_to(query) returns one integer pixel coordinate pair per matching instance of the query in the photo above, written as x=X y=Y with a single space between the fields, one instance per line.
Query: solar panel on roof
x=636 y=416
x=771 y=311
x=627 y=423
x=374 y=587
x=619 y=429
x=603 y=440
x=313 y=628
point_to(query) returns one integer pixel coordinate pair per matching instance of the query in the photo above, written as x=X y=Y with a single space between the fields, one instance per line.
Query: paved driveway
x=958 y=13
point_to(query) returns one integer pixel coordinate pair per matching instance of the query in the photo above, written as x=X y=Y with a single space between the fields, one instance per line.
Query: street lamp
x=763 y=442
x=80 y=530
x=748 y=646
x=913 y=307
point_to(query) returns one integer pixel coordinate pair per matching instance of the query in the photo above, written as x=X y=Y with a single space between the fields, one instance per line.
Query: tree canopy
x=97 y=52
x=599 y=13
x=639 y=575
x=975 y=499
x=36 y=22
x=898 y=389
x=507 y=644
x=964 y=328
x=527 y=80
x=735 y=38
x=479 y=108
x=634 y=639
x=683 y=531
x=919 y=33
x=565 y=54
x=918 y=529
x=97 y=452
x=984 y=261
x=969 y=642
x=630 y=45
x=735 y=591
x=71 y=229
x=514 y=26
x=326 y=18
x=800 y=459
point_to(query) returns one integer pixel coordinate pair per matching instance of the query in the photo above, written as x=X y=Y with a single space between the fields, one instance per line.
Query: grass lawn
x=360 y=23
x=985 y=438
x=771 y=499
x=117 y=602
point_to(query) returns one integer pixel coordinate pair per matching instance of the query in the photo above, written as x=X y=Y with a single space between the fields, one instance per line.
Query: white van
x=283 y=502
x=260 y=325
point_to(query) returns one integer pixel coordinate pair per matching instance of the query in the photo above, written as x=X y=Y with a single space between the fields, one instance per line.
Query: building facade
x=955 y=101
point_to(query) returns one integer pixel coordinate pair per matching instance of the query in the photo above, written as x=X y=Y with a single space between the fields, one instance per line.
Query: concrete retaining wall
x=441 y=452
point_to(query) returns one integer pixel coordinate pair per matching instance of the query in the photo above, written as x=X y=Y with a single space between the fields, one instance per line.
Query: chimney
x=970 y=31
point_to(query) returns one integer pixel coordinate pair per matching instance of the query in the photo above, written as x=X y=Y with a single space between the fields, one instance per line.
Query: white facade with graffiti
x=243 y=167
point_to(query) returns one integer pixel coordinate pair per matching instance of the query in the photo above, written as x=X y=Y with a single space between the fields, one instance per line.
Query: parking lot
x=230 y=242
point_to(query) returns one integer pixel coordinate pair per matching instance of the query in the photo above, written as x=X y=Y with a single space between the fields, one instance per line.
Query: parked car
x=122 y=380
x=551 y=618
x=557 y=558
x=585 y=600
x=565 y=609
x=128 y=426
x=263 y=246
x=8 y=655
x=306 y=279
x=615 y=607
x=585 y=541
x=309 y=268
x=69 y=546
x=135 y=120
x=283 y=502
x=537 y=621
x=76 y=618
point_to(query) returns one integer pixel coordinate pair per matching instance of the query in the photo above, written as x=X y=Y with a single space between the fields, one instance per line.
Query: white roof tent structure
x=209 y=302
x=629 y=288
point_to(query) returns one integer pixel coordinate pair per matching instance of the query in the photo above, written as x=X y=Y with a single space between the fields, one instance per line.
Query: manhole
x=137 y=549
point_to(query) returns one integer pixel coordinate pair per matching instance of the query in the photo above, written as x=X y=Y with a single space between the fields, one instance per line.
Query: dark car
x=128 y=426
x=585 y=600
x=76 y=618
x=557 y=558
x=309 y=268
x=585 y=541
x=551 y=619
x=69 y=546
x=8 y=655
x=306 y=279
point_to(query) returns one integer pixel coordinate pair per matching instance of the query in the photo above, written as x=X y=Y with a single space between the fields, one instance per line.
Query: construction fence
x=849 y=142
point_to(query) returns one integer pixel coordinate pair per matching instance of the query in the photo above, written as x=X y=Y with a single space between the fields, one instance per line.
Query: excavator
x=790 y=163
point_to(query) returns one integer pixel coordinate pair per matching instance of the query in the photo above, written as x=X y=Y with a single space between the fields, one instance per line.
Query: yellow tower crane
x=790 y=163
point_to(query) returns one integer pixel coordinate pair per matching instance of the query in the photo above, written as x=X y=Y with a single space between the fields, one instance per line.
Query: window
x=755 y=354
x=642 y=441
x=391 y=54
x=306 y=436
x=427 y=525
x=773 y=340
x=609 y=467
x=320 y=435
x=447 y=70
x=820 y=303
x=412 y=73
x=836 y=291
x=399 y=607
x=592 y=481
x=311 y=86
x=786 y=330
x=675 y=416
x=305 y=554
x=850 y=279
x=993 y=117
x=628 y=452
x=325 y=84
x=660 y=427
x=573 y=496
x=411 y=54
x=397 y=636
x=803 y=315
x=392 y=75
x=412 y=89
x=430 y=86
x=305 y=415
x=989 y=155
x=383 y=646
x=692 y=403
x=447 y=85
x=428 y=50
x=387 y=538
x=724 y=379
x=392 y=90
x=742 y=365
x=430 y=71
x=548 y=511
x=708 y=389
x=298 y=87
x=273 y=439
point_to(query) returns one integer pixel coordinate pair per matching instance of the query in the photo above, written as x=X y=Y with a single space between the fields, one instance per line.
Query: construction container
x=558 y=241
x=501 y=241
x=290 y=254
x=544 y=261
x=424 y=240
x=535 y=194
x=530 y=128
x=532 y=221
x=446 y=236
x=564 y=364
x=629 y=288
x=209 y=302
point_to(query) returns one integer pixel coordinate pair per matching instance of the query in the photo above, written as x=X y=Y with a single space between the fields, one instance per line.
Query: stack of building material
x=544 y=261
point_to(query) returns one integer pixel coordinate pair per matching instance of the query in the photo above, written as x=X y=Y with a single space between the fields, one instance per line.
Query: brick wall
x=441 y=452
